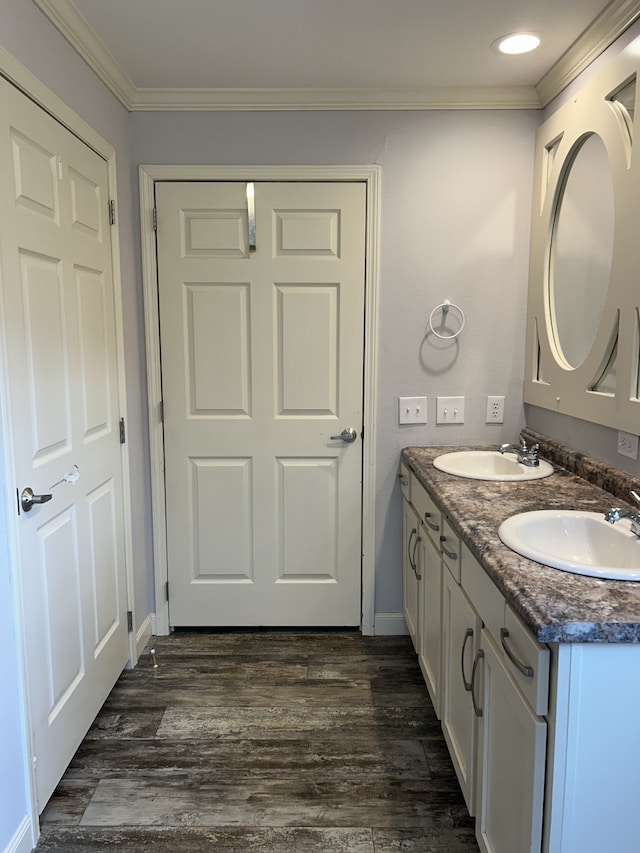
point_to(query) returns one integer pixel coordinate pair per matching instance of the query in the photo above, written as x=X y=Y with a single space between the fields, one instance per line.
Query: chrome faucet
x=615 y=514
x=526 y=455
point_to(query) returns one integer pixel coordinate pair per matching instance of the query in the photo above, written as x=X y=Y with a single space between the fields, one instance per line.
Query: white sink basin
x=579 y=542
x=489 y=465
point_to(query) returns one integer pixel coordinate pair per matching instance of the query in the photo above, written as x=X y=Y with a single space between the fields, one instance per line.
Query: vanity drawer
x=451 y=546
x=427 y=509
x=405 y=481
x=526 y=660
x=485 y=595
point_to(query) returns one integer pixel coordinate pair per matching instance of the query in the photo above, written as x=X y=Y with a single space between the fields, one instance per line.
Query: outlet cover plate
x=412 y=410
x=495 y=410
x=627 y=445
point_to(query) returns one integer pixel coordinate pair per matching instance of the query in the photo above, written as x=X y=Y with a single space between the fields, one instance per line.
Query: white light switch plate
x=412 y=410
x=449 y=410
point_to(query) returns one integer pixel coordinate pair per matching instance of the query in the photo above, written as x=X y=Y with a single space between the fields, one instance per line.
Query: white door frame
x=370 y=175
x=17 y=74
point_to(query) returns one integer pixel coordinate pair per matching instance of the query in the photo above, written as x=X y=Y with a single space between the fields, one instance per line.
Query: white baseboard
x=389 y=624
x=22 y=841
x=143 y=634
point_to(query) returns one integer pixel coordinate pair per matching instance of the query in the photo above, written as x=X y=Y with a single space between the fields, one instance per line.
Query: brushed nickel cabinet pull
x=476 y=708
x=467 y=634
x=450 y=554
x=430 y=524
x=527 y=671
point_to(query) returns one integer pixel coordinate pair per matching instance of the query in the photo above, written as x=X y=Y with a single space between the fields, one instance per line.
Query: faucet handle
x=613 y=515
x=635 y=496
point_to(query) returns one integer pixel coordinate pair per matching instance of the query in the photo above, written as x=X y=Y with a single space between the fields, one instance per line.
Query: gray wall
x=456 y=199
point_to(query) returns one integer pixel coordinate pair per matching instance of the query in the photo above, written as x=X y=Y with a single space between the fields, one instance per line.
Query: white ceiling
x=334 y=53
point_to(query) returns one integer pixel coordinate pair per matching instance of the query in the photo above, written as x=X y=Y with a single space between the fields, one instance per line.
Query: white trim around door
x=370 y=175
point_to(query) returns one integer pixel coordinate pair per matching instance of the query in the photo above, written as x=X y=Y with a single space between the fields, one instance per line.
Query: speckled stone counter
x=558 y=607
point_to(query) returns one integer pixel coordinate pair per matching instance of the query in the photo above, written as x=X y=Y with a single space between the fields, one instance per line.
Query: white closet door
x=59 y=326
x=262 y=355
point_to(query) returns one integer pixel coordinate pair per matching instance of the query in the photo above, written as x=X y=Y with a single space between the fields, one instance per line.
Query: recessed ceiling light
x=516 y=43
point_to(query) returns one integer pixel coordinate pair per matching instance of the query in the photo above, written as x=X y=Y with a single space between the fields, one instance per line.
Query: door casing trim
x=371 y=176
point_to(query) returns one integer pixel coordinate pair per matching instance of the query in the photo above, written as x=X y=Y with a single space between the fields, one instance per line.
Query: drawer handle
x=450 y=554
x=527 y=671
x=467 y=634
x=476 y=708
x=403 y=481
x=430 y=524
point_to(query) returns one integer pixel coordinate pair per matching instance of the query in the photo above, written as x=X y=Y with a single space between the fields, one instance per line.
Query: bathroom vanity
x=533 y=672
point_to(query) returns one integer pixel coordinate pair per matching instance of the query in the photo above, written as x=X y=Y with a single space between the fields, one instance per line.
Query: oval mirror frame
x=598 y=380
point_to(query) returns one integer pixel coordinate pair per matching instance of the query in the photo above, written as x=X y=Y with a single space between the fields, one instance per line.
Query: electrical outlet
x=449 y=410
x=412 y=410
x=495 y=410
x=627 y=445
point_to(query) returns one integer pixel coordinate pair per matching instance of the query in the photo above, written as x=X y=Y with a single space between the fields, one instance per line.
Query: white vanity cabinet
x=487 y=676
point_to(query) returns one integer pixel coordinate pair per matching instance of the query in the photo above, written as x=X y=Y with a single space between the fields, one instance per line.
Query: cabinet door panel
x=511 y=763
x=460 y=640
x=429 y=654
x=410 y=570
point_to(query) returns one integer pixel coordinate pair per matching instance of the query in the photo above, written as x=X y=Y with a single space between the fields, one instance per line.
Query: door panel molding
x=368 y=174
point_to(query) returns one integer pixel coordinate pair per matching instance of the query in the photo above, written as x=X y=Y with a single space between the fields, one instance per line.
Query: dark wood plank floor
x=253 y=742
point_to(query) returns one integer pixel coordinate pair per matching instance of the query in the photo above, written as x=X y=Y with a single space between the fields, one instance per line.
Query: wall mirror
x=581 y=250
x=583 y=316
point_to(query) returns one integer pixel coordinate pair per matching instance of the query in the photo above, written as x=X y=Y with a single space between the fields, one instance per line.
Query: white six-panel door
x=262 y=363
x=59 y=326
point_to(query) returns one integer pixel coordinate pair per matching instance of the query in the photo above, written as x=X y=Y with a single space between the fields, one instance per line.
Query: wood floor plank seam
x=264 y=742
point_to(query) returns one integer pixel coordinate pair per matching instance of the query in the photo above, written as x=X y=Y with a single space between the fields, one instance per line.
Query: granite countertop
x=558 y=607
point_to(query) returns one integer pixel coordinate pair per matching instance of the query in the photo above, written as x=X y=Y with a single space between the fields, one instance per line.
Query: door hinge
x=362 y=433
x=155 y=219
x=112 y=211
x=161 y=411
x=123 y=436
x=166 y=591
x=130 y=621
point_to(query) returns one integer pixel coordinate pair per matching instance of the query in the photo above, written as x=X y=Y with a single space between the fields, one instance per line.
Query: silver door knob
x=28 y=499
x=349 y=434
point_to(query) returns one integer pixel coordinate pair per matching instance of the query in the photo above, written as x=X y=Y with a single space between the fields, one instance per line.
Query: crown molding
x=598 y=36
x=76 y=29
x=472 y=98
x=613 y=21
